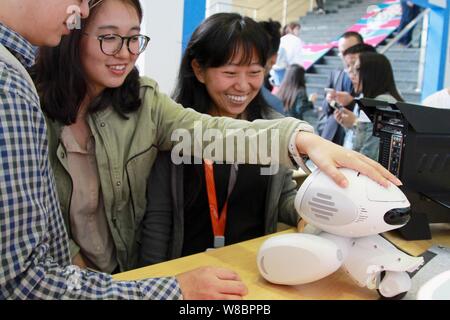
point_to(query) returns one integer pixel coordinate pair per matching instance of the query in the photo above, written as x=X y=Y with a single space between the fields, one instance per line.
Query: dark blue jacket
x=328 y=127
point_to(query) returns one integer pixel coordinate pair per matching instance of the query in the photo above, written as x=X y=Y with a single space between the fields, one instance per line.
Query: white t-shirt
x=440 y=99
x=292 y=46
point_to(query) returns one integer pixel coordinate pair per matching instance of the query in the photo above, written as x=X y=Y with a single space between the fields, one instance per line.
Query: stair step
x=405 y=55
x=323 y=69
x=411 y=96
x=316 y=78
x=333 y=61
x=405 y=76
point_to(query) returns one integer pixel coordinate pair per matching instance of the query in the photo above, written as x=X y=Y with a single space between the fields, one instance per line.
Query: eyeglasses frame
x=126 y=38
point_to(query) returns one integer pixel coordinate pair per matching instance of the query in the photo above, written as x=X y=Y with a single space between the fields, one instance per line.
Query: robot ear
x=74 y=20
x=298 y=258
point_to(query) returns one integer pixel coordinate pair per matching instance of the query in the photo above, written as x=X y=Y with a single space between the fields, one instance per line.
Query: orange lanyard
x=218 y=223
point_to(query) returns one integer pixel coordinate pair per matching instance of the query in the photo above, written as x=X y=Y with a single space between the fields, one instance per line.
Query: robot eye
x=396 y=217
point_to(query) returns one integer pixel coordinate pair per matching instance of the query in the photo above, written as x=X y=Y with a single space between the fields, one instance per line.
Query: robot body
x=351 y=220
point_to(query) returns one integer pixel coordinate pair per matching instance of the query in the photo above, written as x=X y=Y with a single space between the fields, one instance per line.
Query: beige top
x=87 y=212
x=440 y=99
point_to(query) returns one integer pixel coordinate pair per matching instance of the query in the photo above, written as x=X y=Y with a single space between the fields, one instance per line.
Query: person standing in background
x=320 y=8
x=409 y=12
x=290 y=52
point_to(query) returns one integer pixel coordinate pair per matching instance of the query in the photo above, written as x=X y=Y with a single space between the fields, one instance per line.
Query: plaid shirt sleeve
x=35 y=261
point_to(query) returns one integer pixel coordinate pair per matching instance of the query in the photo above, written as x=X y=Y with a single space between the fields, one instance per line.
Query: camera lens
x=398 y=216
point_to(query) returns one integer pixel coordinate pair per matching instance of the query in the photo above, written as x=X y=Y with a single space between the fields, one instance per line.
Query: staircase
x=342 y=14
x=405 y=63
x=326 y=28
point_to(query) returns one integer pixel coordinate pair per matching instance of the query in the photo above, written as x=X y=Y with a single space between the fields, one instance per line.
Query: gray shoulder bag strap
x=9 y=59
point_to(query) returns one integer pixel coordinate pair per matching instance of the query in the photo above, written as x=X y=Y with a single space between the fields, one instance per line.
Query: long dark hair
x=61 y=82
x=293 y=83
x=273 y=31
x=213 y=44
x=376 y=76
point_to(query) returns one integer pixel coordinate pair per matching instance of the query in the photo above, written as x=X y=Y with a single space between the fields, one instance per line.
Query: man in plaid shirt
x=34 y=253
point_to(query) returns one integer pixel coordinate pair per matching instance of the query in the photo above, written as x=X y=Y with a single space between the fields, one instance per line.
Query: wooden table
x=241 y=258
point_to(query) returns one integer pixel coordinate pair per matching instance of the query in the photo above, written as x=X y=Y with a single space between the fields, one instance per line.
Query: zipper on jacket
x=69 y=225
x=128 y=178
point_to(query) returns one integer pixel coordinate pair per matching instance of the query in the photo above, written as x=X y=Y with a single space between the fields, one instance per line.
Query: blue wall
x=436 y=55
x=194 y=14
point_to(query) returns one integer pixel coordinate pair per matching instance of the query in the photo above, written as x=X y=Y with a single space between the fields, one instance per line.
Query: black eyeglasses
x=111 y=44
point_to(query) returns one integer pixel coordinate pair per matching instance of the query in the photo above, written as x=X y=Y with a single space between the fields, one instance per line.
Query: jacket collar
x=17 y=45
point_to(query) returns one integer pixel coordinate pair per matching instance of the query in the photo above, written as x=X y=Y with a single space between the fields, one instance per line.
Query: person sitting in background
x=440 y=99
x=221 y=74
x=372 y=77
x=290 y=51
x=327 y=126
x=272 y=29
x=349 y=58
x=293 y=94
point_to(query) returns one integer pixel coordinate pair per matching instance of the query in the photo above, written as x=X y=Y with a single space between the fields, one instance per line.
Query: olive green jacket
x=126 y=150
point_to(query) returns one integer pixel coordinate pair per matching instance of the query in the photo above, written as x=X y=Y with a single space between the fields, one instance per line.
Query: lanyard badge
x=218 y=223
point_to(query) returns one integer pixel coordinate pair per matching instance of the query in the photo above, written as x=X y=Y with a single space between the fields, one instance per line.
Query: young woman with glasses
x=105 y=127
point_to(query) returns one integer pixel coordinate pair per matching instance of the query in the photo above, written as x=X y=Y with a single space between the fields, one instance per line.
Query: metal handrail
x=423 y=15
x=423 y=46
x=405 y=30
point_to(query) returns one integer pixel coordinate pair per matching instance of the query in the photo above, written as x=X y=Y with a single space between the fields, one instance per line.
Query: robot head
x=363 y=208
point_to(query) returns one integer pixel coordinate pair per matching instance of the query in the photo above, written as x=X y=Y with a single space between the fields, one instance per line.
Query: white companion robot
x=350 y=221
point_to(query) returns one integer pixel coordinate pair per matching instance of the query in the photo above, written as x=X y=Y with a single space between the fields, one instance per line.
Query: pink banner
x=379 y=22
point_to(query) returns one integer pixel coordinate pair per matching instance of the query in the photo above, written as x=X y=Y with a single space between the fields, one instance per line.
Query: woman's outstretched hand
x=328 y=156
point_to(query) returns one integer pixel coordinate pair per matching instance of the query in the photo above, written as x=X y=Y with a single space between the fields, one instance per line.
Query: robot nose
x=397 y=217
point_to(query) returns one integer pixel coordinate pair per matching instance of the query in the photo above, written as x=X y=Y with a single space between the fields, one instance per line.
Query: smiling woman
x=221 y=74
x=108 y=67
x=96 y=72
